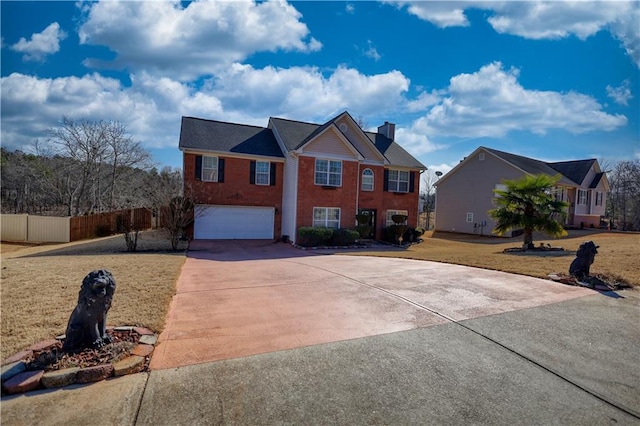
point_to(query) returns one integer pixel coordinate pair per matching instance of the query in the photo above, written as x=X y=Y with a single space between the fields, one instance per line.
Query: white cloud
x=301 y=93
x=152 y=106
x=440 y=13
x=416 y=142
x=41 y=44
x=425 y=100
x=350 y=8
x=620 y=94
x=491 y=103
x=542 y=19
x=372 y=52
x=163 y=37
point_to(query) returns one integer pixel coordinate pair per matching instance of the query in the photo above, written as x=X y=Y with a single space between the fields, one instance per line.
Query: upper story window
x=582 y=197
x=209 y=168
x=398 y=181
x=262 y=172
x=367 y=180
x=328 y=173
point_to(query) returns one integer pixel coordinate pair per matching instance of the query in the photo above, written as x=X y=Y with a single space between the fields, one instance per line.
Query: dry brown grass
x=618 y=255
x=40 y=285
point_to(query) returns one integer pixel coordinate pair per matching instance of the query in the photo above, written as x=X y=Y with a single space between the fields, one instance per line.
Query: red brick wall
x=382 y=200
x=236 y=189
x=311 y=195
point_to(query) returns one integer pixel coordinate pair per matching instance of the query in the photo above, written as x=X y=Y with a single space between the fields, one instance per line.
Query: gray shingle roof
x=296 y=133
x=396 y=155
x=529 y=165
x=211 y=135
x=574 y=170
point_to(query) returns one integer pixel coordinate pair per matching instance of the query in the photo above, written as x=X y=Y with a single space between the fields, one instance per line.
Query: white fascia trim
x=323 y=156
x=274 y=129
x=228 y=154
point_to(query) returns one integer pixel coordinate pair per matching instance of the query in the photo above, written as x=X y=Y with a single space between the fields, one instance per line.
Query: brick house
x=252 y=182
x=465 y=194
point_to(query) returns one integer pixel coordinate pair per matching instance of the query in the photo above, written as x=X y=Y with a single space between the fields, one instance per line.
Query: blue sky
x=549 y=80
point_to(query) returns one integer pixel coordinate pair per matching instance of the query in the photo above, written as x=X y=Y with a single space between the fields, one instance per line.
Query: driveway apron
x=240 y=298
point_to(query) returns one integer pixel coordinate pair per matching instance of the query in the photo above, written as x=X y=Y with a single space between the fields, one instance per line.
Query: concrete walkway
x=301 y=338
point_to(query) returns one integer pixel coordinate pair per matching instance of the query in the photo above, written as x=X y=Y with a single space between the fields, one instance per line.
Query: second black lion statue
x=585 y=256
x=87 y=327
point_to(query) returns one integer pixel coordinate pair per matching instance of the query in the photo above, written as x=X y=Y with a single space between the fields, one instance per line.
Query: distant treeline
x=84 y=167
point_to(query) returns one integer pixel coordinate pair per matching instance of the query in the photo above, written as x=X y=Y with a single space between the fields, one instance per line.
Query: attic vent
x=343 y=127
x=481 y=156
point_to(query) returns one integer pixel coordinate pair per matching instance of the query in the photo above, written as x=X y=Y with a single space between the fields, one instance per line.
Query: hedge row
x=315 y=236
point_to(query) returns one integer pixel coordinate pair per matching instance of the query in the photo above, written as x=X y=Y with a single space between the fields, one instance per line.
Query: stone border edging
x=15 y=379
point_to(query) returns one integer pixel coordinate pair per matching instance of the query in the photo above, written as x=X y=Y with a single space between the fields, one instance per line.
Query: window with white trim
x=328 y=173
x=391 y=213
x=582 y=197
x=262 y=172
x=328 y=217
x=398 y=181
x=209 y=168
x=367 y=180
x=469 y=217
x=499 y=187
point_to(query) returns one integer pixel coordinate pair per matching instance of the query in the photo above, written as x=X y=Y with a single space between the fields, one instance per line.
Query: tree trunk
x=528 y=239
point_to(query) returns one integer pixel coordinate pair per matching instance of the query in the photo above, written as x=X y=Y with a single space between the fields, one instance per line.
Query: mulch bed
x=47 y=365
x=54 y=358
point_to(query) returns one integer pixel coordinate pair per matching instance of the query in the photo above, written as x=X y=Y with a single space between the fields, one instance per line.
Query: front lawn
x=617 y=256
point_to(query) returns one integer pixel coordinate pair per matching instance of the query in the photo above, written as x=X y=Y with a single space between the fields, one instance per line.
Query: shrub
x=390 y=234
x=344 y=237
x=313 y=236
x=103 y=231
x=412 y=235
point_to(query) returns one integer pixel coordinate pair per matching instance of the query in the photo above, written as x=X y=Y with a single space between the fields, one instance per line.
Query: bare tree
x=102 y=158
x=428 y=195
x=624 y=198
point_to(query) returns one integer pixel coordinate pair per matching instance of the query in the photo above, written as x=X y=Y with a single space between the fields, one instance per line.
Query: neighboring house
x=264 y=183
x=465 y=194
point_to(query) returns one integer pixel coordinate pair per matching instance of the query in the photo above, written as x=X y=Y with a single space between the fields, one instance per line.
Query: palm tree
x=529 y=204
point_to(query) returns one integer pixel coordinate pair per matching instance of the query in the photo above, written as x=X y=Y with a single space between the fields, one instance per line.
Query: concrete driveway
x=240 y=298
x=301 y=338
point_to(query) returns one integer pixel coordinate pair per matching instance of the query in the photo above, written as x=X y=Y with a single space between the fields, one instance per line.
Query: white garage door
x=233 y=223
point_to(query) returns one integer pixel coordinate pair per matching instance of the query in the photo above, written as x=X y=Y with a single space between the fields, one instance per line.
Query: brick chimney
x=388 y=130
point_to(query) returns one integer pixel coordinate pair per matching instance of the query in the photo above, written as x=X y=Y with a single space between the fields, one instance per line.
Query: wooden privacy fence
x=24 y=227
x=103 y=224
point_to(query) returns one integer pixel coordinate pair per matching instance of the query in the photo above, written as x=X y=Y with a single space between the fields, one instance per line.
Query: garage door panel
x=233 y=222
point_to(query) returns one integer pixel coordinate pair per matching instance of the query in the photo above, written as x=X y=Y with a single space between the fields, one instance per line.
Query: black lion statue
x=585 y=255
x=88 y=321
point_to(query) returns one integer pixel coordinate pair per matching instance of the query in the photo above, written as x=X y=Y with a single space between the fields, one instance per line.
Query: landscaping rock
x=129 y=365
x=94 y=374
x=148 y=340
x=142 y=331
x=23 y=382
x=60 y=378
x=10 y=370
x=17 y=357
x=142 y=350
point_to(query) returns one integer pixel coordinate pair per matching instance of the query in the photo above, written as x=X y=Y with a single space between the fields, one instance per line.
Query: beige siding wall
x=470 y=190
x=364 y=147
x=328 y=143
x=46 y=229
